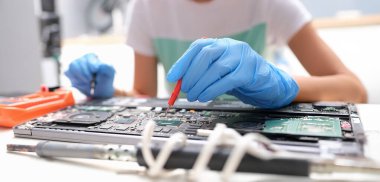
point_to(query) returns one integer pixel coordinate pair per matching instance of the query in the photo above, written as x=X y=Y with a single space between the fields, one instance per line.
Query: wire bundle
x=254 y=144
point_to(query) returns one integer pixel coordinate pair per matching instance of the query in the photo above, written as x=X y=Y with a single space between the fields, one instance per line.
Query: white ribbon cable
x=156 y=166
x=253 y=144
x=164 y=154
x=235 y=157
x=146 y=140
x=230 y=136
x=207 y=151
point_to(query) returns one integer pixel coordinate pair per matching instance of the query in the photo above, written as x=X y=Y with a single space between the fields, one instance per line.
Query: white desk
x=29 y=167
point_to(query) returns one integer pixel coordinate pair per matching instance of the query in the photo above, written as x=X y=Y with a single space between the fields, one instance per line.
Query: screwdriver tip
x=167 y=109
x=20 y=148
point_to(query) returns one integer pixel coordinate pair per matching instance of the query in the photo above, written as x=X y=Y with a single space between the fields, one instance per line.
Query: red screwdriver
x=174 y=95
x=175 y=92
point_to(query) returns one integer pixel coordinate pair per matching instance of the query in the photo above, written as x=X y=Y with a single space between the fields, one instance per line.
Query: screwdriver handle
x=89 y=151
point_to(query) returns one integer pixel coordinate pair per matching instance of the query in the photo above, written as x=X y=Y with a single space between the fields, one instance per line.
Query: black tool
x=185 y=158
x=180 y=158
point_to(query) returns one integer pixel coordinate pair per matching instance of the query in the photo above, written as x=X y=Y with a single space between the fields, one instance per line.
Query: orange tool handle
x=33 y=105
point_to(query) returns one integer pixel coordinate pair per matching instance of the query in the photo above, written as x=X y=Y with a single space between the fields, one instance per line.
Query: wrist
x=120 y=93
x=123 y=93
x=272 y=88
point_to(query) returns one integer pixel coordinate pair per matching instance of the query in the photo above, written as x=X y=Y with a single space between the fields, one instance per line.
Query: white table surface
x=29 y=167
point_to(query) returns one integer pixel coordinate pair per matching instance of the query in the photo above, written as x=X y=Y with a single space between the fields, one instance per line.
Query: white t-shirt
x=166 y=28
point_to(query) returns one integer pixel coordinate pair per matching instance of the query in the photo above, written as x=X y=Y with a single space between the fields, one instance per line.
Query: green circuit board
x=309 y=125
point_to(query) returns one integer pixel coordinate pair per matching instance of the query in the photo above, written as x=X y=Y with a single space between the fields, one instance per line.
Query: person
x=229 y=61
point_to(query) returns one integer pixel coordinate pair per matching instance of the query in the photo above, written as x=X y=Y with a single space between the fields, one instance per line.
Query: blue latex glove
x=87 y=69
x=212 y=67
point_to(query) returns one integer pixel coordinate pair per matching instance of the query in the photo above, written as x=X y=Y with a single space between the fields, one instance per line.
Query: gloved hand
x=212 y=67
x=87 y=69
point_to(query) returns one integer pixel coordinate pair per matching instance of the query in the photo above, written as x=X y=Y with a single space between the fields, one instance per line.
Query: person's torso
x=178 y=23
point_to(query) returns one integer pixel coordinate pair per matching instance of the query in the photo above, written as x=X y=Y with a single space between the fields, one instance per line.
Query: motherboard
x=320 y=128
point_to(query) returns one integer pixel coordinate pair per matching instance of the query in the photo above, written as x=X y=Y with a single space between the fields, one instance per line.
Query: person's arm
x=330 y=79
x=145 y=78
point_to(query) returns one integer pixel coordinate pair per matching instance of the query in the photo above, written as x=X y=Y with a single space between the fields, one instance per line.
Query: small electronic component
x=346 y=126
x=168 y=122
x=304 y=107
x=124 y=120
x=329 y=109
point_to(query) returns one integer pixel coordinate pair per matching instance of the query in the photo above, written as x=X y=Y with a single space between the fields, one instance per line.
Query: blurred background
x=39 y=38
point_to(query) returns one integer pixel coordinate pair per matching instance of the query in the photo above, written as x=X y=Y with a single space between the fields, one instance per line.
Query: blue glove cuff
x=272 y=89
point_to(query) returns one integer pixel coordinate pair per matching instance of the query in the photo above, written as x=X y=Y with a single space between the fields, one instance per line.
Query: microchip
x=98 y=108
x=124 y=120
x=309 y=126
x=168 y=122
x=247 y=125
